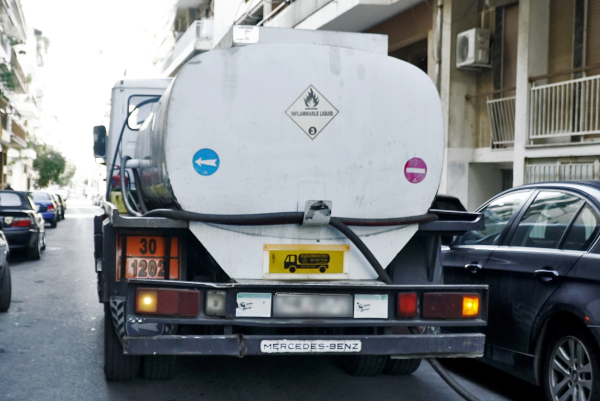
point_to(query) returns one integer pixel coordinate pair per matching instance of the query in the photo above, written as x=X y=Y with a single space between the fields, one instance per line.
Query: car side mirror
x=100 y=141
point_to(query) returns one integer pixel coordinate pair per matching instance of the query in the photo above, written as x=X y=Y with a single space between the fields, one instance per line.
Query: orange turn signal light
x=470 y=306
x=166 y=301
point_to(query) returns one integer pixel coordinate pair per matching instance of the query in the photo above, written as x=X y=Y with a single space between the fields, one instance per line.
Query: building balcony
x=564 y=112
x=197 y=39
x=21 y=81
x=18 y=137
x=501 y=113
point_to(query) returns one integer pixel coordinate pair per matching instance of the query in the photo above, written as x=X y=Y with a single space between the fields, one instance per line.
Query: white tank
x=265 y=127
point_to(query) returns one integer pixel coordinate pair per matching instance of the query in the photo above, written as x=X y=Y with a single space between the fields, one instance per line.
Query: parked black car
x=60 y=211
x=540 y=255
x=63 y=205
x=5 y=280
x=22 y=225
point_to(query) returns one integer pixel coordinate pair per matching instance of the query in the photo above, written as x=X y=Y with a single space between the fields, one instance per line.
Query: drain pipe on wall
x=438 y=44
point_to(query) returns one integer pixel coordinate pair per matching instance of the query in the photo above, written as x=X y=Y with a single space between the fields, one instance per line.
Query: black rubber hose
x=266 y=219
x=130 y=210
x=344 y=229
x=112 y=166
x=437 y=366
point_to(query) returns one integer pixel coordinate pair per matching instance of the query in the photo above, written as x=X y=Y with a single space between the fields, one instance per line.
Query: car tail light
x=50 y=207
x=407 y=304
x=167 y=302
x=21 y=222
x=450 y=305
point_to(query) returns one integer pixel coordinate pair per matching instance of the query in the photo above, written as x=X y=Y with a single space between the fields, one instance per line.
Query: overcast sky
x=92 y=44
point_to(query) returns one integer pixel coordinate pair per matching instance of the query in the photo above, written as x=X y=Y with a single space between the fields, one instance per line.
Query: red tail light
x=50 y=207
x=21 y=222
x=450 y=305
x=407 y=304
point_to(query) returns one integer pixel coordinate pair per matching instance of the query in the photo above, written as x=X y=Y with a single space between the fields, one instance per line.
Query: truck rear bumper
x=404 y=346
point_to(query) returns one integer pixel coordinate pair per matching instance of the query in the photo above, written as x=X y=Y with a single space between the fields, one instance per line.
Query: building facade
x=522 y=107
x=22 y=51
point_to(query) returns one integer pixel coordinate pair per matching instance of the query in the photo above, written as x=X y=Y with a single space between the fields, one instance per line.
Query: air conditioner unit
x=473 y=49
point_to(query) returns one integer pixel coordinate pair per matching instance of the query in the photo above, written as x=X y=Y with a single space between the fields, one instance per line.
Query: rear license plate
x=309 y=346
x=301 y=262
x=145 y=257
x=313 y=305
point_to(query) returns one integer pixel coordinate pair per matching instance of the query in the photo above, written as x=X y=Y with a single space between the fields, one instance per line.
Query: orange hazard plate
x=145 y=257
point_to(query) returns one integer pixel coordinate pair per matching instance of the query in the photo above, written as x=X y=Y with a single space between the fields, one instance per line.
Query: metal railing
x=502 y=120
x=562 y=172
x=565 y=108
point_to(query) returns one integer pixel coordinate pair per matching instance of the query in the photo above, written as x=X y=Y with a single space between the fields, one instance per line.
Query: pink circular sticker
x=415 y=170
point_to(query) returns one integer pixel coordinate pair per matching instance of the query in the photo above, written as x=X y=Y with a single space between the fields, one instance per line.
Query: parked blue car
x=47 y=206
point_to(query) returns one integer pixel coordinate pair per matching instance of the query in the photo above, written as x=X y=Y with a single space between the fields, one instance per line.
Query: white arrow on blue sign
x=206 y=162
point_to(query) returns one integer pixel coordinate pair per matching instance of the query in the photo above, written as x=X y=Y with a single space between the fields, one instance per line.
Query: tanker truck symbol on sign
x=307 y=261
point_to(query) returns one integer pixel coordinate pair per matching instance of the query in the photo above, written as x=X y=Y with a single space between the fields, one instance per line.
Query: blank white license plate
x=312 y=305
x=309 y=346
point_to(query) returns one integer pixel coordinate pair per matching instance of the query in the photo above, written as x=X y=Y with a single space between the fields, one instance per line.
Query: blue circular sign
x=206 y=162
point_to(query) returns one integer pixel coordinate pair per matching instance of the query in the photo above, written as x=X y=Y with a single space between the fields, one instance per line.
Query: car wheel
x=571 y=369
x=5 y=290
x=117 y=365
x=401 y=367
x=363 y=365
x=34 y=253
x=158 y=367
x=53 y=222
x=43 y=241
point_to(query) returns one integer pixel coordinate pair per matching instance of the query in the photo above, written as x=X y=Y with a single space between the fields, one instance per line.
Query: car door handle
x=545 y=274
x=473 y=267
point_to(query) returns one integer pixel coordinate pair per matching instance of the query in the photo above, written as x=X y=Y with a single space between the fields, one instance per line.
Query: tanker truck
x=277 y=146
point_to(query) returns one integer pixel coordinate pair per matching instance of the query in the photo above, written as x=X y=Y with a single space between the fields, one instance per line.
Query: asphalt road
x=51 y=348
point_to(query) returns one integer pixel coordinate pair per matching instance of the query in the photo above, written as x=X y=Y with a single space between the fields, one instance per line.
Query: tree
x=67 y=176
x=49 y=164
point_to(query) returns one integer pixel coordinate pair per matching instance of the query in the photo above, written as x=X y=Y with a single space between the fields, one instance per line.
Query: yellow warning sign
x=299 y=261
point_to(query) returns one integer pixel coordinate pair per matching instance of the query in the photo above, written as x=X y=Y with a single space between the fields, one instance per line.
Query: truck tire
x=571 y=365
x=158 y=367
x=117 y=366
x=363 y=365
x=401 y=367
x=5 y=290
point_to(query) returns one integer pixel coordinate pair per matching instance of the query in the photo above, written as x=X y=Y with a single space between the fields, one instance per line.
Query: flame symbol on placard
x=311 y=98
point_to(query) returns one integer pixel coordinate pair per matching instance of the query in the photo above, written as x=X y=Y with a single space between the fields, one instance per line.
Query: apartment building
x=22 y=51
x=523 y=107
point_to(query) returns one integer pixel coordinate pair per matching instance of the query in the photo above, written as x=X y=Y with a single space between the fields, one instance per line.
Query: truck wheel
x=292 y=269
x=571 y=366
x=401 y=367
x=158 y=367
x=322 y=269
x=5 y=290
x=363 y=365
x=117 y=366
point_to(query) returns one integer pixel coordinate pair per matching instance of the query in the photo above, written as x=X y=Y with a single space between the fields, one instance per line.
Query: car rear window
x=40 y=196
x=8 y=199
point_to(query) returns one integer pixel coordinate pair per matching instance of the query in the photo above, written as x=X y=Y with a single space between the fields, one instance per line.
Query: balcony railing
x=565 y=108
x=197 y=38
x=562 y=171
x=501 y=113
